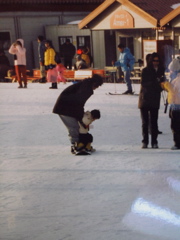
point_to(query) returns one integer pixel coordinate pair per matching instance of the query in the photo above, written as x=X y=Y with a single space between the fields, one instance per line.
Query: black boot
x=43 y=80
x=51 y=86
x=54 y=86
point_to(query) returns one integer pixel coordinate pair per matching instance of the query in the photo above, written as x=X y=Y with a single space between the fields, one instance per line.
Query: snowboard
x=84 y=152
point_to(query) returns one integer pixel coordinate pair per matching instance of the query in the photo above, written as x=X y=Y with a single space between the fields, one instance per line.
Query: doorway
x=127 y=42
x=110 y=47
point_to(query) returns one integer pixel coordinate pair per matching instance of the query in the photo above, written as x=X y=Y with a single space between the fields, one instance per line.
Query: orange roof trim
x=107 y=3
x=95 y=13
x=174 y=13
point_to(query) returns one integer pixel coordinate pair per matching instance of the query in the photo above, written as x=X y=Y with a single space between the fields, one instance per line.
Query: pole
x=165 y=102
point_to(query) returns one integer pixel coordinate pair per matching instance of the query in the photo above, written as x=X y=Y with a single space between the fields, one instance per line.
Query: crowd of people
x=50 y=62
x=70 y=104
x=153 y=81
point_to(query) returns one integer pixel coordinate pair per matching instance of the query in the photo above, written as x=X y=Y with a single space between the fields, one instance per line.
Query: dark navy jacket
x=72 y=100
x=150 y=92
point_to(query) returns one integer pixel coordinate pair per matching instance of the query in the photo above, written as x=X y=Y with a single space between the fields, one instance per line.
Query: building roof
x=156 y=8
x=48 y=1
x=48 y=5
x=151 y=10
x=170 y=16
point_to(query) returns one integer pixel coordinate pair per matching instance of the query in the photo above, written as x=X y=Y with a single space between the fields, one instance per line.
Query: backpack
x=57 y=57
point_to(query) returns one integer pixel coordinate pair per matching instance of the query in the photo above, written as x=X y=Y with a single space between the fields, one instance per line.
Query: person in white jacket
x=19 y=52
x=173 y=89
x=174 y=67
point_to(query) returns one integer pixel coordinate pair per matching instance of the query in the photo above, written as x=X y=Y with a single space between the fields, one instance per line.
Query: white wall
x=98 y=49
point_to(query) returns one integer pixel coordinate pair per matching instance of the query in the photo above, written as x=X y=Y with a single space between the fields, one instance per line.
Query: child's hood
x=21 y=40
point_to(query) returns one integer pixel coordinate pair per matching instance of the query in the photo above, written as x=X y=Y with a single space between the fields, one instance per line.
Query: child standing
x=50 y=64
x=19 y=52
x=85 y=138
x=60 y=68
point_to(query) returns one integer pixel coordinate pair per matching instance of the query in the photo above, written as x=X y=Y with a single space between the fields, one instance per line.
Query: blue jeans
x=72 y=127
x=127 y=79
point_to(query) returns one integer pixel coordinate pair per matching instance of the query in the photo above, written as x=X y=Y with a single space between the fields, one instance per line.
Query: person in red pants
x=19 y=52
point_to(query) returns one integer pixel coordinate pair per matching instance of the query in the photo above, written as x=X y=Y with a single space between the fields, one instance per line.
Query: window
x=5 y=40
x=176 y=45
x=64 y=38
x=127 y=42
x=83 y=41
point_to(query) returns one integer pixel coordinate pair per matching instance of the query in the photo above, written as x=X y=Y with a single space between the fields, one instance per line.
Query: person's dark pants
x=85 y=138
x=68 y=62
x=175 y=126
x=149 y=114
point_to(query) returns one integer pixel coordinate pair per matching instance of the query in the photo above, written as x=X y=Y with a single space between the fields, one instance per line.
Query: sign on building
x=121 y=19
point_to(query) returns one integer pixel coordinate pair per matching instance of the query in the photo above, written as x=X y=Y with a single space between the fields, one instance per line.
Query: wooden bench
x=110 y=74
x=11 y=76
x=100 y=72
x=69 y=75
x=72 y=75
x=135 y=79
x=75 y=75
x=136 y=75
x=82 y=74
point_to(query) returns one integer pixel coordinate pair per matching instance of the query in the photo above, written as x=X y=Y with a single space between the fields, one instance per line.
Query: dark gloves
x=161 y=79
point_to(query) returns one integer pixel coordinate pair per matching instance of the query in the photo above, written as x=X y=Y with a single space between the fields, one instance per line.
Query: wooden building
x=143 y=26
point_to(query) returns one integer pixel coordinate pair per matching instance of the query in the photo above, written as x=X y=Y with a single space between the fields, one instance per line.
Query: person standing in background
x=174 y=67
x=68 y=51
x=4 y=64
x=41 y=50
x=60 y=72
x=173 y=89
x=149 y=99
x=50 y=64
x=148 y=60
x=19 y=52
x=85 y=57
x=126 y=62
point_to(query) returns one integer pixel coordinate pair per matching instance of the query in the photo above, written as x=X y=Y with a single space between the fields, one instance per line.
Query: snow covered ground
x=121 y=192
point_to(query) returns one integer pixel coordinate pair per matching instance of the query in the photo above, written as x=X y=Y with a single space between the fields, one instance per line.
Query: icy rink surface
x=120 y=192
